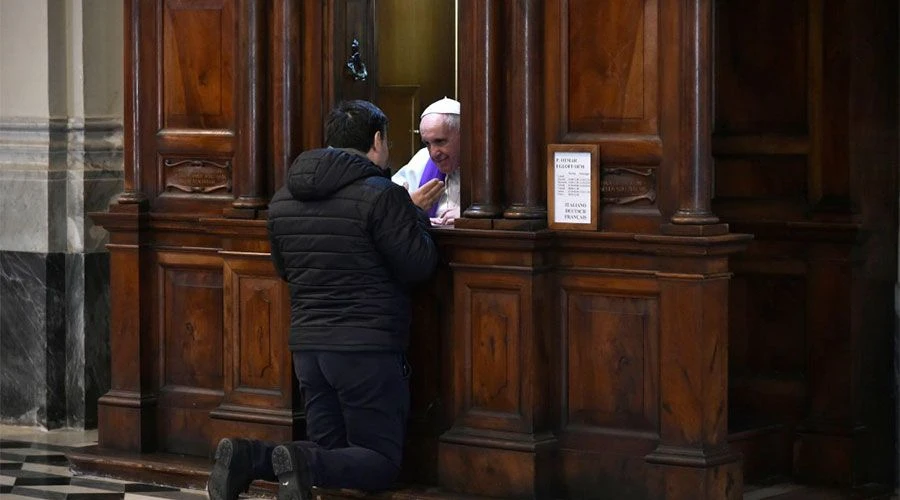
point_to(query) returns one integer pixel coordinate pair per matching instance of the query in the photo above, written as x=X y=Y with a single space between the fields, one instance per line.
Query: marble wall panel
x=32 y=338
x=24 y=197
x=74 y=341
x=52 y=174
x=54 y=337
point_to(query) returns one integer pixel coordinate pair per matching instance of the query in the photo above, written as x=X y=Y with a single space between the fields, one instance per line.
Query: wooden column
x=524 y=126
x=127 y=412
x=687 y=73
x=250 y=172
x=133 y=192
x=480 y=94
x=502 y=355
x=693 y=459
x=286 y=59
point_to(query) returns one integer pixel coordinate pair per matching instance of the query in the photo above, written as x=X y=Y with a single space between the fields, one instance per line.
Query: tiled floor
x=33 y=465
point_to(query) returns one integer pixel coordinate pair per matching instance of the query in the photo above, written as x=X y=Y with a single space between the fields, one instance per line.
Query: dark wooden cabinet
x=801 y=95
x=730 y=321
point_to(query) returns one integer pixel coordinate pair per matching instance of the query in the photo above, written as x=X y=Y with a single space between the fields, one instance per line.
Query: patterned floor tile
x=33 y=465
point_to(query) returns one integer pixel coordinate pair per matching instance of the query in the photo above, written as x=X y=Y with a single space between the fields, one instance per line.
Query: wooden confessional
x=731 y=319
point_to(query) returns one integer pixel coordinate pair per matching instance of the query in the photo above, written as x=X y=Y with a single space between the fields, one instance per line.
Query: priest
x=432 y=175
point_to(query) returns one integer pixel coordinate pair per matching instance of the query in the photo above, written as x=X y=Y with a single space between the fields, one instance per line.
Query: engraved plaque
x=621 y=186
x=198 y=176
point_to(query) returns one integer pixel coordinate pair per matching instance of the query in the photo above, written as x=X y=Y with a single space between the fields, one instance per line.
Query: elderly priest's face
x=442 y=141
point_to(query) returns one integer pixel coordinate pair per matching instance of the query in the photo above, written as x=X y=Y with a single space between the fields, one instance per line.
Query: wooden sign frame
x=578 y=194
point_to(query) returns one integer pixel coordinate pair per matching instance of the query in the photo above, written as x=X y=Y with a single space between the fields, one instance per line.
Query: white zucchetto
x=445 y=106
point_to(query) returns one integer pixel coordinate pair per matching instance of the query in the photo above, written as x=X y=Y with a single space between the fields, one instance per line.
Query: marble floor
x=33 y=465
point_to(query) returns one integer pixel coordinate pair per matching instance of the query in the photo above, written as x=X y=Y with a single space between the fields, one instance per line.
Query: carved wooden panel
x=126 y=323
x=610 y=66
x=191 y=327
x=773 y=310
x=762 y=67
x=197 y=51
x=768 y=100
x=260 y=305
x=494 y=350
x=830 y=350
x=761 y=176
x=257 y=312
x=609 y=330
x=611 y=360
x=191 y=347
x=767 y=351
x=491 y=385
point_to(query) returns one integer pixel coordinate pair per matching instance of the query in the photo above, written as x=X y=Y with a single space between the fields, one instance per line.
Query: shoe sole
x=289 y=487
x=217 y=487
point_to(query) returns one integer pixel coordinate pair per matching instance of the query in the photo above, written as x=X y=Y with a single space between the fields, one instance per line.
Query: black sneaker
x=292 y=470
x=230 y=474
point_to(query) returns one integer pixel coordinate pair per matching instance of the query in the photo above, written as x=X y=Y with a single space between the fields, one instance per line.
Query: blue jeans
x=357 y=404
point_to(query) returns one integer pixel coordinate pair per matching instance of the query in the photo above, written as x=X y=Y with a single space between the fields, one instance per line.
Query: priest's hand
x=448 y=218
x=427 y=195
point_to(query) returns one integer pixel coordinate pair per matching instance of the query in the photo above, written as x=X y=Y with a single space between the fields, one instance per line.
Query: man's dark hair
x=352 y=124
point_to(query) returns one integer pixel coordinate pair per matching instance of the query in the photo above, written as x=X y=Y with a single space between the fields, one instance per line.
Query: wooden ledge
x=181 y=471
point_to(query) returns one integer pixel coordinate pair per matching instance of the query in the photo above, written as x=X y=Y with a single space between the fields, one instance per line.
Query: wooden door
x=354 y=62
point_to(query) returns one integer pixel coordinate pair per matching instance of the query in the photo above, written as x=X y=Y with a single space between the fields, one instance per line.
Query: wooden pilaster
x=501 y=442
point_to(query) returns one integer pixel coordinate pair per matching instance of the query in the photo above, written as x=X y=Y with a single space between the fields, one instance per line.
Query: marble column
x=60 y=158
x=54 y=280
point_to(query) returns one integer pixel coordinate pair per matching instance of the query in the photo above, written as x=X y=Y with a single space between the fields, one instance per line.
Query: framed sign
x=573 y=186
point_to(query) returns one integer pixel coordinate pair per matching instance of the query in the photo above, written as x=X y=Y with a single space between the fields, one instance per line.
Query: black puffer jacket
x=349 y=242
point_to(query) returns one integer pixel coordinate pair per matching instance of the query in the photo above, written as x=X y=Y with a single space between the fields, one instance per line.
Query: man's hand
x=427 y=195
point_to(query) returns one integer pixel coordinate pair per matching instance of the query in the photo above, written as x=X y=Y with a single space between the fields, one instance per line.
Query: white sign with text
x=572 y=187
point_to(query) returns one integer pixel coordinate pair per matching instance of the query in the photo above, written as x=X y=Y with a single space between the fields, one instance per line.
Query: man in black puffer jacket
x=350 y=243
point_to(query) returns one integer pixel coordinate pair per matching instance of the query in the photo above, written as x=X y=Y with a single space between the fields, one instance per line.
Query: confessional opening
x=399 y=54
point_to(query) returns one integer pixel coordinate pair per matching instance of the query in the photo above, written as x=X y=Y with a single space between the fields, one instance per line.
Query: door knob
x=355 y=65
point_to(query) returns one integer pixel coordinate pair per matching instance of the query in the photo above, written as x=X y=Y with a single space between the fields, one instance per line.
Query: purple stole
x=431 y=172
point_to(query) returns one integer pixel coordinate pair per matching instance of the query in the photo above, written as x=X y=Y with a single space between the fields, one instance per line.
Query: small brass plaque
x=621 y=186
x=198 y=176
